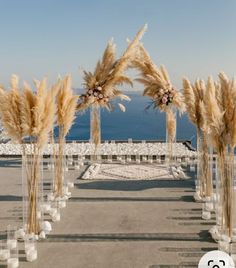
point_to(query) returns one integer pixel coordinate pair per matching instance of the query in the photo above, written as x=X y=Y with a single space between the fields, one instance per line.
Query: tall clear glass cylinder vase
x=233 y=240
x=51 y=165
x=95 y=130
x=32 y=188
x=204 y=187
x=48 y=175
x=60 y=165
x=171 y=135
x=225 y=207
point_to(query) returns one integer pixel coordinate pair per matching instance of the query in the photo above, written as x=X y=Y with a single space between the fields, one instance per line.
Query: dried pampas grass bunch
x=66 y=106
x=10 y=111
x=194 y=102
x=193 y=98
x=66 y=109
x=156 y=81
x=220 y=112
x=101 y=86
x=25 y=113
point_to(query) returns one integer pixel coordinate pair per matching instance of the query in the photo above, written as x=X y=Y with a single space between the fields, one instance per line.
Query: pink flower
x=164 y=100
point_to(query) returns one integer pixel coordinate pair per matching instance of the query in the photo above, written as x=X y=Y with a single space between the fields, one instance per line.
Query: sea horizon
x=137 y=123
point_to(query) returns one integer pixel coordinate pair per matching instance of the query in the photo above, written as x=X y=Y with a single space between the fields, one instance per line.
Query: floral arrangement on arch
x=157 y=84
x=164 y=97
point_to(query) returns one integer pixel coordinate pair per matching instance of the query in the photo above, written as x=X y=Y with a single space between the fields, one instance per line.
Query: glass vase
x=32 y=188
x=13 y=261
x=11 y=237
x=48 y=176
x=225 y=198
x=204 y=186
x=60 y=165
x=4 y=252
x=30 y=249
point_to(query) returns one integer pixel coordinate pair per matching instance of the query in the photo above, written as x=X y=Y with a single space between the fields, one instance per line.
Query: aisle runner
x=132 y=172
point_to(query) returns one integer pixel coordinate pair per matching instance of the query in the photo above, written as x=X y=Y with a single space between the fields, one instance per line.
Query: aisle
x=126 y=224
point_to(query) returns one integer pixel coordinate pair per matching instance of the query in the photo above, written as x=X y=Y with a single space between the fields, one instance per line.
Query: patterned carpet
x=132 y=172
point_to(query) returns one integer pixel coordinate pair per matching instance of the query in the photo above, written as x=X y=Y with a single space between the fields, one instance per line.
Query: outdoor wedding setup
x=38 y=118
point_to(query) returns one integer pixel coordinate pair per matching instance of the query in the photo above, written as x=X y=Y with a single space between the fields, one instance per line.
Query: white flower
x=95 y=94
x=99 y=88
x=90 y=92
x=122 y=107
x=100 y=96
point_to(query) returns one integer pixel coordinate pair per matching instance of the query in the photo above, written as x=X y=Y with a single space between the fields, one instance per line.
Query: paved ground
x=115 y=224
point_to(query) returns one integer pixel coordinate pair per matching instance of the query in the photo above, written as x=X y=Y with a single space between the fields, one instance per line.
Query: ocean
x=136 y=123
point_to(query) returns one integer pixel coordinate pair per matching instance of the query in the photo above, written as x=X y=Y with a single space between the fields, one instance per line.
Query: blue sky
x=193 y=38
